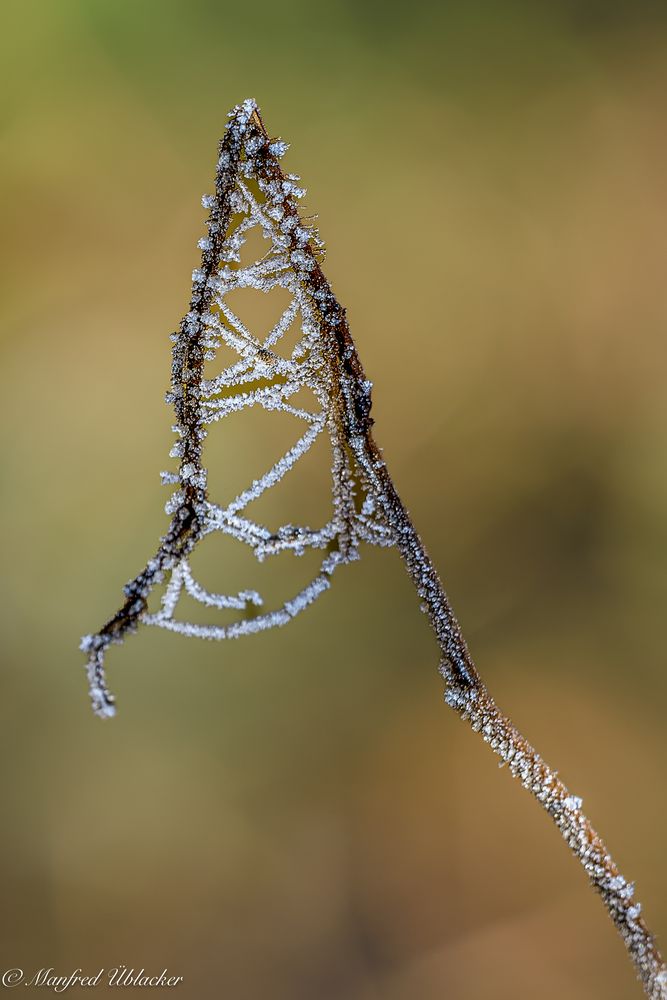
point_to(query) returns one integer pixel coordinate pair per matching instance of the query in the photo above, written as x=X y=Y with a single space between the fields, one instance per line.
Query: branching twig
x=325 y=361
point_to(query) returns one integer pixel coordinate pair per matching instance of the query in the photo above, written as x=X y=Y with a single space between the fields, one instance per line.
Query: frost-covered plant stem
x=468 y=696
x=325 y=361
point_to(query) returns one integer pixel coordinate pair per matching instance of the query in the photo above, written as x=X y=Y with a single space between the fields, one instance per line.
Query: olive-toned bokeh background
x=297 y=815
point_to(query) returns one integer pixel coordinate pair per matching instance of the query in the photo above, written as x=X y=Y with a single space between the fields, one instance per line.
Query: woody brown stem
x=467 y=695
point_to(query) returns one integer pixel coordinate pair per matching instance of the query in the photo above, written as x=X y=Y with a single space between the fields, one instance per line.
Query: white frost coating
x=263 y=376
x=365 y=505
x=240 y=602
x=173 y=592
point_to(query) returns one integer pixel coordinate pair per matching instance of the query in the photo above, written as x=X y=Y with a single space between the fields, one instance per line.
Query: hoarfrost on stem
x=252 y=193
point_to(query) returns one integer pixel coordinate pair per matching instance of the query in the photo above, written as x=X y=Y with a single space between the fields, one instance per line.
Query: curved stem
x=350 y=399
x=465 y=691
x=467 y=695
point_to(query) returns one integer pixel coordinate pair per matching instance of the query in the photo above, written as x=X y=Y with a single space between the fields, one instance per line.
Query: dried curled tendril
x=253 y=193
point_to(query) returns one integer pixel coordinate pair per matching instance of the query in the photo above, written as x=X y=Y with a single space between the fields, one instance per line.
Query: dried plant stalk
x=251 y=191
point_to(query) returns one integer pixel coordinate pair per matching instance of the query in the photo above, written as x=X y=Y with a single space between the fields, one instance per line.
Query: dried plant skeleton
x=251 y=191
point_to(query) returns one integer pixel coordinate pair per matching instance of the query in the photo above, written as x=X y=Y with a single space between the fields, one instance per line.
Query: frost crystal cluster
x=321 y=384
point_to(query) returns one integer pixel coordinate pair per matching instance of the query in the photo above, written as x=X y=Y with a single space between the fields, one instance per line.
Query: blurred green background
x=297 y=815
